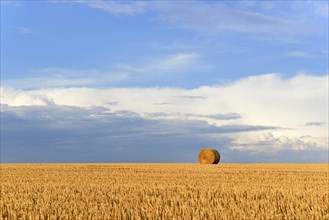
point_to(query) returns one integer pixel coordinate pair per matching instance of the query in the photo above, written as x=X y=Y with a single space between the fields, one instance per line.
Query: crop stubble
x=164 y=191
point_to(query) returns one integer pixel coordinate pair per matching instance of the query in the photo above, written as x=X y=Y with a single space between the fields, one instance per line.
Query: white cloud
x=61 y=77
x=211 y=17
x=176 y=61
x=169 y=64
x=24 y=30
x=13 y=97
x=274 y=22
x=267 y=142
x=117 y=7
x=263 y=115
x=319 y=7
x=300 y=54
x=113 y=7
x=11 y=3
x=217 y=16
x=279 y=21
x=256 y=97
x=266 y=100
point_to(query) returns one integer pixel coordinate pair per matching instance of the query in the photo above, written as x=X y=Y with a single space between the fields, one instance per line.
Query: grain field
x=164 y=191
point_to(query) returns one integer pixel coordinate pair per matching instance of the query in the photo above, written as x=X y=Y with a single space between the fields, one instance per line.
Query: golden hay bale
x=209 y=156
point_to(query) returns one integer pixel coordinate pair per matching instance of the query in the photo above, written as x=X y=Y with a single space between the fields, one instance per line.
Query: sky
x=157 y=81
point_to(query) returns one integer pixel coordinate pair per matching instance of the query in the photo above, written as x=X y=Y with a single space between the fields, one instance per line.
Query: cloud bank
x=257 y=118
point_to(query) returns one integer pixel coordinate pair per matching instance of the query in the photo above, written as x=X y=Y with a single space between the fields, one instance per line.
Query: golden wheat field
x=164 y=191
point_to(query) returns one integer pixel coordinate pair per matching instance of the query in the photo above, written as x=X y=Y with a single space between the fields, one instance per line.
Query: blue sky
x=156 y=81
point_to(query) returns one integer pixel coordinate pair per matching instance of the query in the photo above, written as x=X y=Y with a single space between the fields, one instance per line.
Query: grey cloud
x=191 y=97
x=243 y=128
x=219 y=116
x=72 y=134
x=162 y=103
x=284 y=156
x=112 y=103
x=314 y=123
x=157 y=114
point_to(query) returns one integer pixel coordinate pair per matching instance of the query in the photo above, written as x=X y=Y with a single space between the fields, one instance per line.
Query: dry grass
x=164 y=191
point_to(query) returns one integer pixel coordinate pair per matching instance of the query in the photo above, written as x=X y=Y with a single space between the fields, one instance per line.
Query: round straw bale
x=209 y=156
